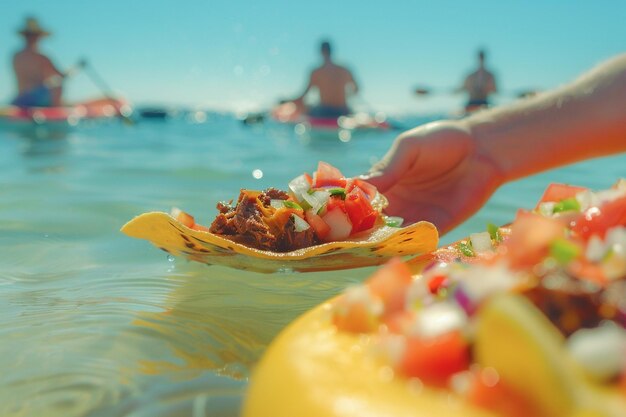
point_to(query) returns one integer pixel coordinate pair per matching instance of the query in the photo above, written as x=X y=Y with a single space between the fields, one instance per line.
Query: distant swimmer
x=479 y=85
x=39 y=82
x=334 y=84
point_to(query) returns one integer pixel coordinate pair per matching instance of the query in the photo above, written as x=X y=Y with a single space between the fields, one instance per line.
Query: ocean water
x=93 y=323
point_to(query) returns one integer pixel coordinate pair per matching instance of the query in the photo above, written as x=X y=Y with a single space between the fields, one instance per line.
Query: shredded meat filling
x=571 y=304
x=255 y=223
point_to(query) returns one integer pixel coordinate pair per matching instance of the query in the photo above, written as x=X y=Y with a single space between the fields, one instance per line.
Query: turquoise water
x=93 y=323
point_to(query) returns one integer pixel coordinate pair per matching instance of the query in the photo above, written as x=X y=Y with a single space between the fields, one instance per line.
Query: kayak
x=66 y=116
x=292 y=113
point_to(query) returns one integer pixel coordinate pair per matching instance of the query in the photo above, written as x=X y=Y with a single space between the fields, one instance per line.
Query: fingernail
x=370 y=175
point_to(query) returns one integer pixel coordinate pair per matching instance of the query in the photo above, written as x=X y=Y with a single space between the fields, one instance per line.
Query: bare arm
x=492 y=86
x=445 y=171
x=49 y=69
x=308 y=87
x=352 y=83
x=584 y=119
x=464 y=86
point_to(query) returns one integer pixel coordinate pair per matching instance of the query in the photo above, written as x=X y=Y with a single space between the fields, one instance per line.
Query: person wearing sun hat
x=39 y=82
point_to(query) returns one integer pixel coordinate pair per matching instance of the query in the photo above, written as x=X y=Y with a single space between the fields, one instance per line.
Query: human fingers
x=395 y=164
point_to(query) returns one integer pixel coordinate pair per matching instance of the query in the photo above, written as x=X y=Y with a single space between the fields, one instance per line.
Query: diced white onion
x=481 y=242
x=175 y=212
x=300 y=225
x=586 y=199
x=360 y=294
x=481 y=281
x=437 y=319
x=612 y=194
x=299 y=186
x=600 y=351
x=547 y=209
x=417 y=294
x=616 y=238
x=276 y=203
x=595 y=249
x=317 y=199
x=339 y=223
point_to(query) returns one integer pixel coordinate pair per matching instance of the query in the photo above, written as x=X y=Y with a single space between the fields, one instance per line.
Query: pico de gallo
x=522 y=321
x=318 y=208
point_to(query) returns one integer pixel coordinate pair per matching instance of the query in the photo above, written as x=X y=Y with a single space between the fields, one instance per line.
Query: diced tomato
x=436 y=283
x=360 y=211
x=186 y=219
x=583 y=269
x=339 y=224
x=530 y=239
x=596 y=221
x=336 y=201
x=557 y=192
x=308 y=178
x=328 y=176
x=369 y=190
x=390 y=283
x=497 y=396
x=400 y=322
x=319 y=226
x=200 y=228
x=354 y=317
x=436 y=359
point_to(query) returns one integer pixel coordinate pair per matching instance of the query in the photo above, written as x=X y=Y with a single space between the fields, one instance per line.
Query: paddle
x=429 y=91
x=99 y=82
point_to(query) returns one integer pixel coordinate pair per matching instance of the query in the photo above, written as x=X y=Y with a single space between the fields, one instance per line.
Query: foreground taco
x=324 y=222
x=530 y=323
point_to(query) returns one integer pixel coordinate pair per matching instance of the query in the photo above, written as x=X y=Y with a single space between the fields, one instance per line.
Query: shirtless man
x=479 y=85
x=333 y=82
x=39 y=82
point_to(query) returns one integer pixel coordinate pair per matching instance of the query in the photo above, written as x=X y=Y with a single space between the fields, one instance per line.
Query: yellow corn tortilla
x=370 y=248
x=313 y=370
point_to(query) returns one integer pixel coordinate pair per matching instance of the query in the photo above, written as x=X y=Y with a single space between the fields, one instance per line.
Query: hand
x=436 y=172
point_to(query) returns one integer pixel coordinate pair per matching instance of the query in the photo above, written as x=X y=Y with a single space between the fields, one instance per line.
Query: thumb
x=380 y=180
x=394 y=166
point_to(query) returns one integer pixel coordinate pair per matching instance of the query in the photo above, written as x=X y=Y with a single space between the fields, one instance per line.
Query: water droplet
x=300 y=129
x=257 y=173
x=170 y=258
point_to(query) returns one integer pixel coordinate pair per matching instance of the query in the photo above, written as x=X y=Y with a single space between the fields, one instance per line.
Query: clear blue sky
x=231 y=54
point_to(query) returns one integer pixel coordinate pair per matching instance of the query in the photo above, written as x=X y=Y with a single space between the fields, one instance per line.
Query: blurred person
x=445 y=171
x=479 y=85
x=39 y=82
x=334 y=83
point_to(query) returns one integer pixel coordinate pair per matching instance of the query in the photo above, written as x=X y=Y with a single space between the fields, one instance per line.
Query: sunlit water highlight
x=93 y=323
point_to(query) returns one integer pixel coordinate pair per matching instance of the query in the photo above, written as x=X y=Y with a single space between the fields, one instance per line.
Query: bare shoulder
x=29 y=56
x=345 y=72
x=316 y=73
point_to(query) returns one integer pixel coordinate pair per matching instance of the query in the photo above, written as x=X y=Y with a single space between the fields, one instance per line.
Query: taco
x=325 y=221
x=526 y=323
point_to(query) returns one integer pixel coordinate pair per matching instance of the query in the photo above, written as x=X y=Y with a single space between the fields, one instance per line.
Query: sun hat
x=32 y=27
